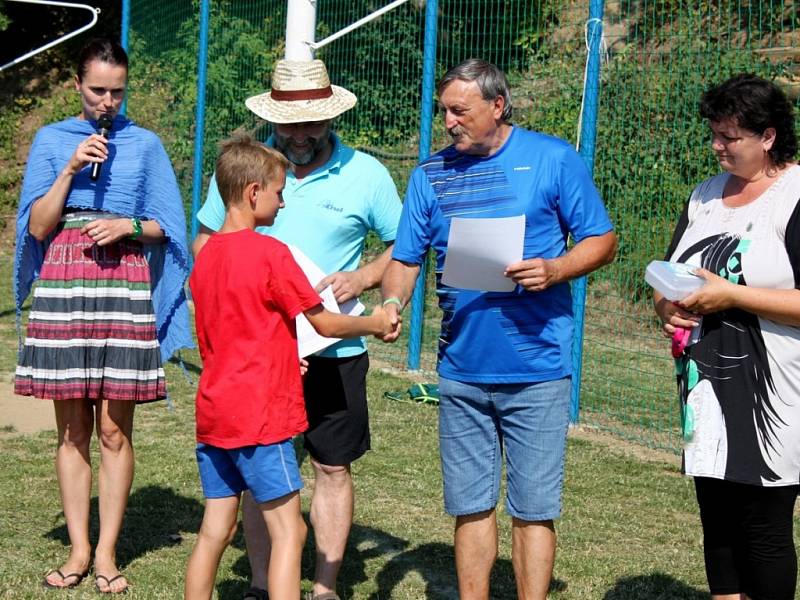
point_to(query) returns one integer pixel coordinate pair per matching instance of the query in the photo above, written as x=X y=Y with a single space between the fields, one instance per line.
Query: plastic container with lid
x=675 y=281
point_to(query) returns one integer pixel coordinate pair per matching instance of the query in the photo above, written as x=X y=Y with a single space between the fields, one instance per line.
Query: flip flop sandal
x=419 y=393
x=257 y=593
x=424 y=393
x=108 y=581
x=78 y=578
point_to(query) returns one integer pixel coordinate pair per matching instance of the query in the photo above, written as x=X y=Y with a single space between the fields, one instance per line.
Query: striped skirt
x=91 y=330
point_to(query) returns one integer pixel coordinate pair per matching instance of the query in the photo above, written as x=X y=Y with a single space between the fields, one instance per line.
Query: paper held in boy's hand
x=308 y=340
x=479 y=250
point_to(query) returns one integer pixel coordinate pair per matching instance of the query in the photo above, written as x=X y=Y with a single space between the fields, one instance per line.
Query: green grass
x=630 y=528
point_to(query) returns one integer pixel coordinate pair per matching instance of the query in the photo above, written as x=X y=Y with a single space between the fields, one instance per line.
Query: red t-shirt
x=247 y=290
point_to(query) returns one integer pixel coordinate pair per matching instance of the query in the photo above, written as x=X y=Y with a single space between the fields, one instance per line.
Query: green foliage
x=157 y=24
x=11 y=176
x=18 y=124
x=658 y=21
x=38 y=90
x=652 y=146
x=653 y=149
x=381 y=63
x=546 y=101
x=500 y=32
x=163 y=90
x=533 y=38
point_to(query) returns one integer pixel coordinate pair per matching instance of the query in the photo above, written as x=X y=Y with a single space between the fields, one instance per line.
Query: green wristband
x=393 y=300
x=137 y=228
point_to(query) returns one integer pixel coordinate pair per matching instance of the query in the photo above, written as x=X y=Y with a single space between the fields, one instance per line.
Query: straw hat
x=301 y=91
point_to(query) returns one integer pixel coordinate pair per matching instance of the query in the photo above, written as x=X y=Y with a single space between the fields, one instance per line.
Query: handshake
x=388 y=321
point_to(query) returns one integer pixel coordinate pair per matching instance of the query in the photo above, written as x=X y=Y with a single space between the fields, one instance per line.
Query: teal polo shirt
x=328 y=214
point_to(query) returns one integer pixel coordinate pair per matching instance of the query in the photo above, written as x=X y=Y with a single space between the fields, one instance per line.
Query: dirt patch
x=624 y=447
x=22 y=414
x=421 y=376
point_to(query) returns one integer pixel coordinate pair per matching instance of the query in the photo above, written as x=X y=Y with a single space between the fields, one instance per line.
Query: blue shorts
x=269 y=472
x=477 y=422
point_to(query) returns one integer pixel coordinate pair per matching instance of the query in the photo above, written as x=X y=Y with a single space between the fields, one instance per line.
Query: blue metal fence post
x=200 y=113
x=586 y=148
x=425 y=126
x=124 y=40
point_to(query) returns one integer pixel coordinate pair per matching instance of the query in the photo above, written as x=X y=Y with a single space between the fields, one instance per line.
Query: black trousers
x=748 y=541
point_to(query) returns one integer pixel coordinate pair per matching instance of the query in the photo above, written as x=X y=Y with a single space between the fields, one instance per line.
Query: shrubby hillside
x=651 y=144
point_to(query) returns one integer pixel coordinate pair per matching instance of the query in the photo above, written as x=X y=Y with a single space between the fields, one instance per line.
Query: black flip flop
x=257 y=593
x=78 y=578
x=108 y=583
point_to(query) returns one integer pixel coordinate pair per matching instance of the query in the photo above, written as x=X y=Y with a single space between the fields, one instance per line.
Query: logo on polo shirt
x=525 y=168
x=329 y=206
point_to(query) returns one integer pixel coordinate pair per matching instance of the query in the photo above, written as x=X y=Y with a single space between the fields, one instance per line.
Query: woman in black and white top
x=740 y=382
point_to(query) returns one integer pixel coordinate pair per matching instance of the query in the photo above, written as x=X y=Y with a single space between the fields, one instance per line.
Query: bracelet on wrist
x=137 y=228
x=393 y=300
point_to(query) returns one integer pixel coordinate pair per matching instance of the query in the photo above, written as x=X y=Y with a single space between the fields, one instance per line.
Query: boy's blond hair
x=242 y=161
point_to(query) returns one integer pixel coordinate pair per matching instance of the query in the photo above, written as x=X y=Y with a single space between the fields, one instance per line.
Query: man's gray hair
x=491 y=81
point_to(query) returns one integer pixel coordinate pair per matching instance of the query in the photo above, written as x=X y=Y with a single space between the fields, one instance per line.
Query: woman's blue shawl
x=136 y=180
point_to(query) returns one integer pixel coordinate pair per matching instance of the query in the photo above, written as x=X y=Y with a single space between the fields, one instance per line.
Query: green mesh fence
x=651 y=146
x=652 y=150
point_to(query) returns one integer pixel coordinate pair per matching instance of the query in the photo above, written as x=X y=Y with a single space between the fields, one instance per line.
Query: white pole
x=301 y=23
x=94 y=11
x=356 y=25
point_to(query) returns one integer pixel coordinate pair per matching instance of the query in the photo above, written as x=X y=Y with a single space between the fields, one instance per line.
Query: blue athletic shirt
x=503 y=337
x=328 y=214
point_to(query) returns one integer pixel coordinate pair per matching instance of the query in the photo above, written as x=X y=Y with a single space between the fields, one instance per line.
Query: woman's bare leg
x=115 y=432
x=74 y=472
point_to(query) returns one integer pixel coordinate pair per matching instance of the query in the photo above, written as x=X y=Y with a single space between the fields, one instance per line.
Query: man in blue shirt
x=334 y=197
x=504 y=357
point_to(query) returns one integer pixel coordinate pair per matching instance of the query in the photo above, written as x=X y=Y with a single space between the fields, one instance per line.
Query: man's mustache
x=456 y=131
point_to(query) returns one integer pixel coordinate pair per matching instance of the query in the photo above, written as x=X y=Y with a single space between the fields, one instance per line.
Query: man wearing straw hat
x=335 y=196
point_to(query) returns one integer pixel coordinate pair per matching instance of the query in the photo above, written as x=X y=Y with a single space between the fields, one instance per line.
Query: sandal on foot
x=257 y=593
x=65 y=586
x=108 y=581
x=322 y=596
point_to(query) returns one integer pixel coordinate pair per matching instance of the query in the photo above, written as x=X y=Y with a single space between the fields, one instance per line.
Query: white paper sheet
x=308 y=340
x=352 y=307
x=479 y=250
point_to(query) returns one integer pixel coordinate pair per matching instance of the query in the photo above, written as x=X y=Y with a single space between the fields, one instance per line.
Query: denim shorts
x=269 y=472
x=529 y=422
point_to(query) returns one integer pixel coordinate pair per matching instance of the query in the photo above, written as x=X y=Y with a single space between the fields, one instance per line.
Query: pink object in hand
x=679 y=340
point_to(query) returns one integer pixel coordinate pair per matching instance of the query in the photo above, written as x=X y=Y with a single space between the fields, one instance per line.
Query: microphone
x=103 y=128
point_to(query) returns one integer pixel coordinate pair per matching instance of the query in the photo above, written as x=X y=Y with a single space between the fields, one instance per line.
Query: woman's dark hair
x=754 y=104
x=103 y=49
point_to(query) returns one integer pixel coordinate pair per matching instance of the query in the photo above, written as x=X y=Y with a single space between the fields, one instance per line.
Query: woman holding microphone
x=101 y=226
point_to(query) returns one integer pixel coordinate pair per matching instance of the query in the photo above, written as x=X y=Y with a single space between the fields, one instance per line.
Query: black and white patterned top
x=740 y=383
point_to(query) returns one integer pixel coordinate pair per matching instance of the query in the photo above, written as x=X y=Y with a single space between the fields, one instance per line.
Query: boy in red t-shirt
x=247 y=291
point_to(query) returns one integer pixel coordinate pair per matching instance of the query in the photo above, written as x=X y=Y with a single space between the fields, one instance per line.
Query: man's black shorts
x=336 y=402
